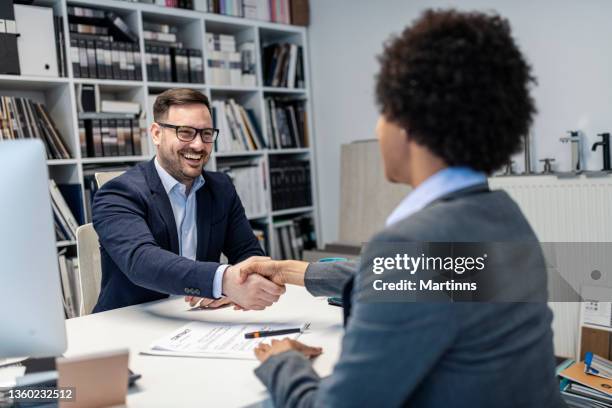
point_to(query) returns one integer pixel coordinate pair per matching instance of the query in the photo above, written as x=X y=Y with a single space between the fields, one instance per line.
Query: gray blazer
x=431 y=354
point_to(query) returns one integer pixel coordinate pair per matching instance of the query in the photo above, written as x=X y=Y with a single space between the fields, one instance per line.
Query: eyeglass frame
x=197 y=132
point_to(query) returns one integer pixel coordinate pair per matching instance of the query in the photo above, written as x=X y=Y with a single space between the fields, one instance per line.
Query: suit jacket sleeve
x=383 y=341
x=328 y=278
x=119 y=218
x=240 y=242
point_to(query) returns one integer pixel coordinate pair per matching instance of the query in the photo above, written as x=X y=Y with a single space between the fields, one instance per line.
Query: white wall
x=568 y=43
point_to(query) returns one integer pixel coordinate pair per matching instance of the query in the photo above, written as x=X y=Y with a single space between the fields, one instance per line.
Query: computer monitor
x=31 y=307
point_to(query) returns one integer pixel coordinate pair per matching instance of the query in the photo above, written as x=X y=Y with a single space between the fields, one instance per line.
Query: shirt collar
x=171 y=183
x=443 y=182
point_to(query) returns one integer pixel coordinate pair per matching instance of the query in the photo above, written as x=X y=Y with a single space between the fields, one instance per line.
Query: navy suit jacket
x=139 y=244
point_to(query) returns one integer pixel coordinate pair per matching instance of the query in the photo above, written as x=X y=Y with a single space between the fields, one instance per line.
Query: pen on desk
x=267 y=333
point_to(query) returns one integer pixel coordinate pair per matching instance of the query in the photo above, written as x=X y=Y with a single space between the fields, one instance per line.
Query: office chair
x=88 y=252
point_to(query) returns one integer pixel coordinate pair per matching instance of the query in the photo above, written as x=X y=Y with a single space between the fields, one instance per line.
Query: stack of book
x=22 y=118
x=65 y=222
x=108 y=135
x=293 y=236
x=238 y=127
x=248 y=176
x=102 y=45
x=283 y=65
x=228 y=66
x=184 y=4
x=587 y=384
x=290 y=182
x=277 y=11
x=166 y=58
x=287 y=122
x=71 y=284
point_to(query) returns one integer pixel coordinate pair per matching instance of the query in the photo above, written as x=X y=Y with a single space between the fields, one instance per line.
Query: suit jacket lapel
x=204 y=217
x=161 y=202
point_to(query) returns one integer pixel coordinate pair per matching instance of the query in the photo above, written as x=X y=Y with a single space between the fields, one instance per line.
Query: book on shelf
x=293 y=236
x=290 y=182
x=63 y=206
x=22 y=118
x=283 y=65
x=230 y=64
x=167 y=60
x=110 y=137
x=277 y=11
x=248 y=177
x=60 y=41
x=71 y=284
x=184 y=4
x=9 y=55
x=102 y=45
x=287 y=122
x=238 y=127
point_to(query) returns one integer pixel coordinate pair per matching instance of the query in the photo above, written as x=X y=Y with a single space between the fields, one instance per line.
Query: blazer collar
x=475 y=189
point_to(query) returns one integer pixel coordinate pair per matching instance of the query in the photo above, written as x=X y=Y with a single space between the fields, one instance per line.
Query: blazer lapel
x=161 y=202
x=204 y=216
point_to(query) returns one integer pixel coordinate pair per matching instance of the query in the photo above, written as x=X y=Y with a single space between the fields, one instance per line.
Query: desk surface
x=185 y=382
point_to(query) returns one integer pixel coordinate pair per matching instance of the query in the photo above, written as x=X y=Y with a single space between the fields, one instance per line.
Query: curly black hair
x=458 y=83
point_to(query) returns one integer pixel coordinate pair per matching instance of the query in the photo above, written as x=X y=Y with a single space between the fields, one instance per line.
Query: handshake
x=254 y=283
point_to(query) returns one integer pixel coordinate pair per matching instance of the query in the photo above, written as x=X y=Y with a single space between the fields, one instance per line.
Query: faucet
x=574 y=139
x=605 y=144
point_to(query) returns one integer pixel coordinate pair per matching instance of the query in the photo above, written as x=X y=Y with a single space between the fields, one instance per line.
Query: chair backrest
x=103 y=177
x=90 y=267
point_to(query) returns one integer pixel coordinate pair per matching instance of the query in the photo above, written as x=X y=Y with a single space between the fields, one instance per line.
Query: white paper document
x=216 y=340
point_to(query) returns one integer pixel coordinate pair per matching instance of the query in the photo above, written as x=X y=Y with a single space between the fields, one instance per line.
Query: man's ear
x=156 y=133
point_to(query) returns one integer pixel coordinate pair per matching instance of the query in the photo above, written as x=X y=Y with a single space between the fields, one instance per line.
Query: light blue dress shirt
x=440 y=184
x=184 y=208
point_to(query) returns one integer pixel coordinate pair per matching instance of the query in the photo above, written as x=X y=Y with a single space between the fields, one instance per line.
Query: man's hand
x=264 y=351
x=279 y=272
x=254 y=292
x=268 y=269
x=206 y=303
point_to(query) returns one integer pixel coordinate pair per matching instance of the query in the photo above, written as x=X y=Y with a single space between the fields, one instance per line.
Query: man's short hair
x=177 y=96
x=459 y=85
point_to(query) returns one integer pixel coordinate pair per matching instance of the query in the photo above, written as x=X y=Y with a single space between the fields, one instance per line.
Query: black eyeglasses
x=188 y=133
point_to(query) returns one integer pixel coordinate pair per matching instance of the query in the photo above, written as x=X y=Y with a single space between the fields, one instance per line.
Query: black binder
x=9 y=56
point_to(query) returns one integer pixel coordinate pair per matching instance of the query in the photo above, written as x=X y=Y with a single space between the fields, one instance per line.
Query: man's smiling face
x=183 y=160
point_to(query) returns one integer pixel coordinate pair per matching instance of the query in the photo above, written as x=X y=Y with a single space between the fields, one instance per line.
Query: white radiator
x=564 y=210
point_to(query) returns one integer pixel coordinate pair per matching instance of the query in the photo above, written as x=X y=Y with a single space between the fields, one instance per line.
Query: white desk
x=190 y=382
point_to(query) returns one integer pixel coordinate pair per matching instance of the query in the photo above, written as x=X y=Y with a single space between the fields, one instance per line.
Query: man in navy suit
x=163 y=224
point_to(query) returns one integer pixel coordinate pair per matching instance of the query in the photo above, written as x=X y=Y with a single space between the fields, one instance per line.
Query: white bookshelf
x=59 y=94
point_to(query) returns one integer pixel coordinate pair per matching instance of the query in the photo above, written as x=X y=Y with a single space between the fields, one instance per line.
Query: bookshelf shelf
x=258 y=217
x=222 y=155
x=110 y=84
x=60 y=96
x=61 y=162
x=115 y=159
x=229 y=88
x=274 y=89
x=161 y=86
x=291 y=211
x=19 y=82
